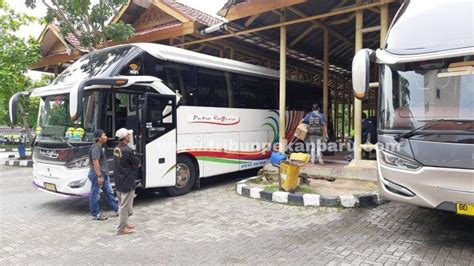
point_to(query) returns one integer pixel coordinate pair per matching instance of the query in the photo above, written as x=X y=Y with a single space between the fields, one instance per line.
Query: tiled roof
x=158 y=28
x=192 y=13
x=70 y=39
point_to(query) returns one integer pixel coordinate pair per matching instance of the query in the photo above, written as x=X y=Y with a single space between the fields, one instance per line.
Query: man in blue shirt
x=99 y=177
x=317 y=131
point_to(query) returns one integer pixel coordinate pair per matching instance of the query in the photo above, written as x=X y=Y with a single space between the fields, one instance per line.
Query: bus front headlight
x=398 y=161
x=78 y=183
x=81 y=162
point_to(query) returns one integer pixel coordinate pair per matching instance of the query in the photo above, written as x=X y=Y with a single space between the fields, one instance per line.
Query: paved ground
x=214 y=225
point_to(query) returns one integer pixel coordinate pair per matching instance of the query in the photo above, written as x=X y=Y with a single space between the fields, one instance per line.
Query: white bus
x=426 y=105
x=193 y=116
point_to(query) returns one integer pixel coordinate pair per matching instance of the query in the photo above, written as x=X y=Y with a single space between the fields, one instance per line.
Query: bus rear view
x=426 y=105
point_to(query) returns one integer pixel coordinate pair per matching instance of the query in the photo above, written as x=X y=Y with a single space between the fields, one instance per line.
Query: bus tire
x=186 y=174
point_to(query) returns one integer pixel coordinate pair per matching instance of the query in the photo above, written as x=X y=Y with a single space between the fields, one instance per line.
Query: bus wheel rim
x=183 y=174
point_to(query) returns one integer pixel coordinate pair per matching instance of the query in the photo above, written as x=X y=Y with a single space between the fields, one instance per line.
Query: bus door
x=159 y=140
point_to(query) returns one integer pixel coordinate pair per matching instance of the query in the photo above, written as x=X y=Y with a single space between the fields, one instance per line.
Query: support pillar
x=282 y=127
x=326 y=73
x=56 y=71
x=358 y=103
x=383 y=24
x=343 y=115
x=336 y=115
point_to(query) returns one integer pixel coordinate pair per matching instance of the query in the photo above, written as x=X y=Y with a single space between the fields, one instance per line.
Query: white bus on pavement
x=193 y=116
x=426 y=105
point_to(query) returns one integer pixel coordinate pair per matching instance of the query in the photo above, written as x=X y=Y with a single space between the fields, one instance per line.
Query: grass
x=304 y=189
x=271 y=187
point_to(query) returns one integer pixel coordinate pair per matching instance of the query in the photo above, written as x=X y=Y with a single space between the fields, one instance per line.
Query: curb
x=12 y=149
x=307 y=199
x=19 y=163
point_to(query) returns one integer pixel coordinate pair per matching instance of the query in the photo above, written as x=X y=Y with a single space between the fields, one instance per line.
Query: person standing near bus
x=98 y=175
x=317 y=132
x=126 y=162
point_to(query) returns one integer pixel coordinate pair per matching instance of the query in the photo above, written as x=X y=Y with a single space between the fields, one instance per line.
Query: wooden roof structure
x=57 y=51
x=153 y=21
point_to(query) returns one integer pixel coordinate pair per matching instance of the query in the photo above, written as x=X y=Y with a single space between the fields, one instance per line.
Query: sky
x=208 y=6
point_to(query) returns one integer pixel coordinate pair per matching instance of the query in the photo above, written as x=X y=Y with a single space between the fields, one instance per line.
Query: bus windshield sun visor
x=77 y=93
x=13 y=104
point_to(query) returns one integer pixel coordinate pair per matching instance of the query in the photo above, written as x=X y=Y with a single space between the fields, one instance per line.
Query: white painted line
x=311 y=200
x=23 y=163
x=348 y=201
x=255 y=192
x=239 y=188
x=280 y=197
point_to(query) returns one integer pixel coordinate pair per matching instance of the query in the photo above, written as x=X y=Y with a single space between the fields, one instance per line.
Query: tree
x=86 y=21
x=32 y=104
x=16 y=54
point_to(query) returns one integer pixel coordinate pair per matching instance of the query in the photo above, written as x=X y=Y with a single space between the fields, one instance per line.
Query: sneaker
x=321 y=162
x=116 y=214
x=124 y=231
x=100 y=217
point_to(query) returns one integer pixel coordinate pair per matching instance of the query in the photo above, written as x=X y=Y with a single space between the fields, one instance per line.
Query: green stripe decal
x=217 y=160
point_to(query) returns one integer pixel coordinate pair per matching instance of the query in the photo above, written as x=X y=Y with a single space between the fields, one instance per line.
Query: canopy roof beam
x=340 y=11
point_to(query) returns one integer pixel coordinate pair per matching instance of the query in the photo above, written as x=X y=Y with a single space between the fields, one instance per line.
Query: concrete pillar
x=282 y=127
x=326 y=73
x=358 y=103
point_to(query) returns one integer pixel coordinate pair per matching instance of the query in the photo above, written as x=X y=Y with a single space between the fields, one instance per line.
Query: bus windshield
x=97 y=64
x=54 y=122
x=415 y=94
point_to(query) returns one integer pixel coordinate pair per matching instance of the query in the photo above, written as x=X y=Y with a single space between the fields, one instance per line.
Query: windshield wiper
x=417 y=130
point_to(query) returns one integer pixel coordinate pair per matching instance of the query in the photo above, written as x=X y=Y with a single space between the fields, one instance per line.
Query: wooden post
x=336 y=114
x=56 y=71
x=343 y=114
x=383 y=24
x=282 y=127
x=326 y=73
x=358 y=103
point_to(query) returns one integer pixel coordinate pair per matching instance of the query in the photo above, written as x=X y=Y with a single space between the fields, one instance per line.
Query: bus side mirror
x=13 y=105
x=361 y=73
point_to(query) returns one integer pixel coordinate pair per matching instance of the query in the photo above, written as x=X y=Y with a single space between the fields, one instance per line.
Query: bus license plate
x=50 y=186
x=465 y=209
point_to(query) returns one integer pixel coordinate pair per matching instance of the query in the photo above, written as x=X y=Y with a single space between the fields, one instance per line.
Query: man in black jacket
x=125 y=161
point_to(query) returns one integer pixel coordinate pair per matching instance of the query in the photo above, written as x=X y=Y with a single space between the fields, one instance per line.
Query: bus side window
x=180 y=78
x=212 y=88
x=249 y=90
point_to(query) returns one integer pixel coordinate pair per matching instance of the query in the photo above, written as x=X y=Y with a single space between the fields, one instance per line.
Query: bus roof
x=421 y=27
x=174 y=54
x=170 y=53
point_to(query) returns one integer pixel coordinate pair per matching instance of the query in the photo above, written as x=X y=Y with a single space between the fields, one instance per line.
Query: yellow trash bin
x=289 y=173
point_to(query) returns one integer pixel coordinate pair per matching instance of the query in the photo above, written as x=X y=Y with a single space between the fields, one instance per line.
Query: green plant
x=271 y=187
x=86 y=21
x=304 y=189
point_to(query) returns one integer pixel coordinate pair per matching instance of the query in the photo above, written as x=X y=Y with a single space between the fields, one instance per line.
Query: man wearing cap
x=99 y=177
x=125 y=161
